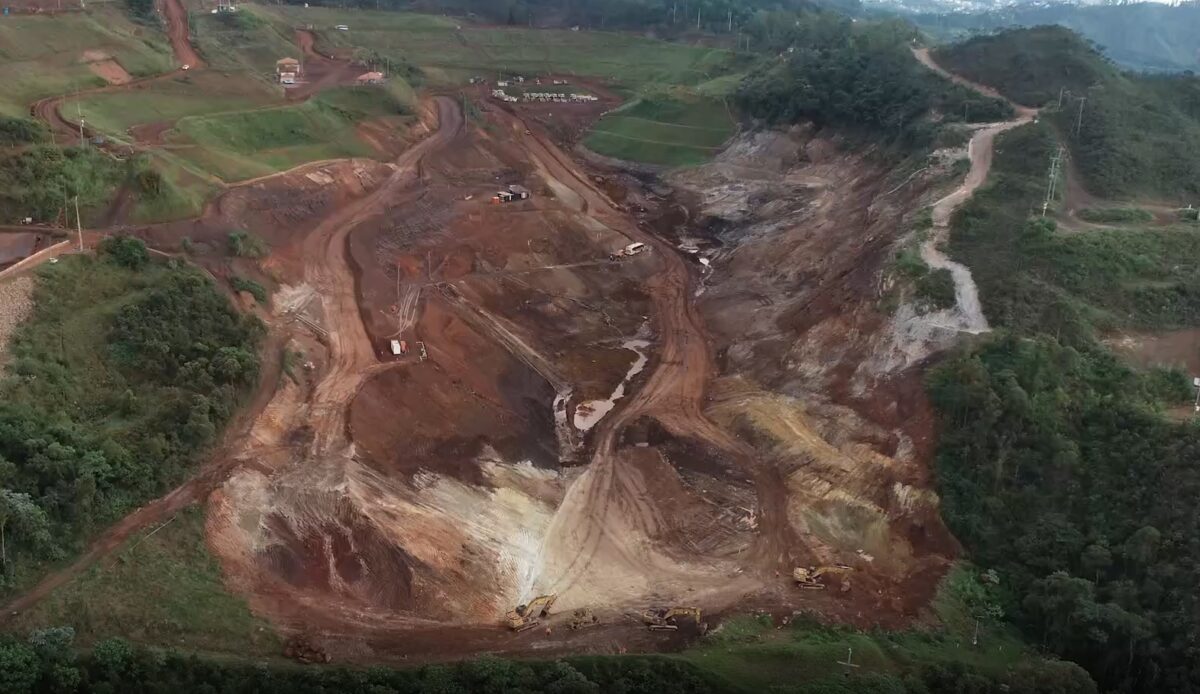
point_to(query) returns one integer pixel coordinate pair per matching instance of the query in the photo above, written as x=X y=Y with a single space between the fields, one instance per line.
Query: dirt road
x=979 y=149
x=175 y=14
x=327 y=269
x=605 y=516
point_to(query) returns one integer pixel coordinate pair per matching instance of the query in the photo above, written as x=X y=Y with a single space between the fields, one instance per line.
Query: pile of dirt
x=102 y=65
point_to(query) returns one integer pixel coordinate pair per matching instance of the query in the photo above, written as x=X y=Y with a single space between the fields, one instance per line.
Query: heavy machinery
x=529 y=616
x=812 y=577
x=667 y=618
x=583 y=618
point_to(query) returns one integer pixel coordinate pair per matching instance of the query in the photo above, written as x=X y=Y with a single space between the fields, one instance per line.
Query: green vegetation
x=1034 y=278
x=21 y=131
x=667 y=132
x=42 y=56
x=197 y=93
x=1139 y=135
x=1140 y=36
x=249 y=40
x=1057 y=469
x=43 y=180
x=120 y=378
x=243 y=144
x=439 y=48
x=747 y=654
x=1056 y=464
x=251 y=287
x=164 y=588
x=860 y=77
x=243 y=244
x=1115 y=215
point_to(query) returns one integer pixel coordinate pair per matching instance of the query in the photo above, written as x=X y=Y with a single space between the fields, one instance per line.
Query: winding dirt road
x=966 y=294
x=327 y=269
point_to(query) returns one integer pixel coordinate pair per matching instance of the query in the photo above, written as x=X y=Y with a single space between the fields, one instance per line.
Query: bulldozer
x=812 y=577
x=666 y=618
x=583 y=618
x=530 y=615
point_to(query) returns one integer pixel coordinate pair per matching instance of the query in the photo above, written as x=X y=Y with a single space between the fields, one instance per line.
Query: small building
x=369 y=78
x=287 y=66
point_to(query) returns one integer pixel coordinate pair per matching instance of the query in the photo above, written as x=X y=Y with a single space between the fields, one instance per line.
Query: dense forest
x=124 y=372
x=1141 y=36
x=859 y=77
x=667 y=16
x=1057 y=463
x=45 y=661
x=1128 y=134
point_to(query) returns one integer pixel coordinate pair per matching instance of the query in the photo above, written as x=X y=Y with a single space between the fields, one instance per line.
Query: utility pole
x=78 y=224
x=1052 y=184
x=698 y=18
x=1079 y=120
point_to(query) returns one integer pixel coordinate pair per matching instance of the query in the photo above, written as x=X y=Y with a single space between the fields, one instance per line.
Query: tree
x=27 y=520
x=126 y=251
x=19 y=668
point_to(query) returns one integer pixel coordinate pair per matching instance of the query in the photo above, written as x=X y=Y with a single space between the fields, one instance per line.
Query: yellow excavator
x=666 y=618
x=529 y=616
x=812 y=577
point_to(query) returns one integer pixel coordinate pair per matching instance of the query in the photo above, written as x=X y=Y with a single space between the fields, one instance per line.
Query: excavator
x=811 y=578
x=666 y=618
x=529 y=616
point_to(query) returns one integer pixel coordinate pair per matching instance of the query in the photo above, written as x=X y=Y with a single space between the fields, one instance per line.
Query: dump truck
x=812 y=578
x=667 y=618
x=530 y=615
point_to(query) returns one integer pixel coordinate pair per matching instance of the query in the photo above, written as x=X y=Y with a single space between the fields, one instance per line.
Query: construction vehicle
x=530 y=615
x=628 y=251
x=583 y=618
x=424 y=354
x=811 y=578
x=667 y=618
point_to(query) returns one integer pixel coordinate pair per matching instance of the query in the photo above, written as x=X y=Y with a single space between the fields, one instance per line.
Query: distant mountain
x=1143 y=36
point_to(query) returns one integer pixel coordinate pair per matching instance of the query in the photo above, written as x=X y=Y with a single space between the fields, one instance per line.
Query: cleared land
x=670 y=133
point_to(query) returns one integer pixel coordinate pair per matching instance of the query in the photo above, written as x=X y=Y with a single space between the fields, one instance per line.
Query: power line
x=1052 y=183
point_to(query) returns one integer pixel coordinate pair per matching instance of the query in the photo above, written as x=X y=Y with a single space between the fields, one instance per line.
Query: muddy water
x=588 y=414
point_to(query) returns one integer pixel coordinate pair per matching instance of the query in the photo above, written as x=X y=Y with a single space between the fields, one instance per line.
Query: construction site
x=529 y=412
x=546 y=407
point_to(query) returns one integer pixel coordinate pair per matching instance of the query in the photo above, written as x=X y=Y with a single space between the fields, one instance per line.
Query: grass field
x=250 y=39
x=663 y=132
x=42 y=56
x=167 y=100
x=162 y=588
x=244 y=144
x=437 y=44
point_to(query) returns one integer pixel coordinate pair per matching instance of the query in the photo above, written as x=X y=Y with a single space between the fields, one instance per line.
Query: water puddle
x=588 y=414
